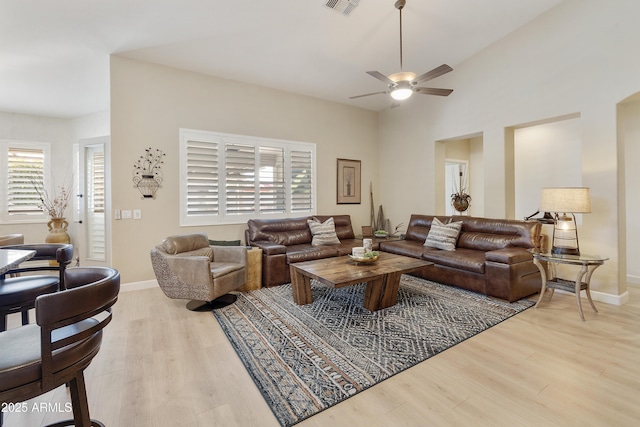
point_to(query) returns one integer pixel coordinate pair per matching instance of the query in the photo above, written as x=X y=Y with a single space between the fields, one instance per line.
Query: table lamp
x=565 y=201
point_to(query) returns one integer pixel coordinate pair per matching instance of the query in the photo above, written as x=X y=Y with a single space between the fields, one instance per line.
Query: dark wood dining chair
x=37 y=358
x=18 y=293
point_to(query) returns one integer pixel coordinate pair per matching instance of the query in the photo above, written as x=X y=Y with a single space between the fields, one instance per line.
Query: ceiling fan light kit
x=402 y=91
x=403 y=84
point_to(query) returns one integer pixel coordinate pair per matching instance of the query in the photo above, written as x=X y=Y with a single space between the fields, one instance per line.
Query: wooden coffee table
x=382 y=277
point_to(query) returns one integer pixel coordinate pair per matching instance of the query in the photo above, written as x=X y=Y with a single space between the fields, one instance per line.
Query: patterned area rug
x=305 y=359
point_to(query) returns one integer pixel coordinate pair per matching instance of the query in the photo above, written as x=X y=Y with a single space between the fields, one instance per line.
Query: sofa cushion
x=410 y=248
x=487 y=234
x=463 y=259
x=285 y=231
x=324 y=233
x=298 y=253
x=443 y=236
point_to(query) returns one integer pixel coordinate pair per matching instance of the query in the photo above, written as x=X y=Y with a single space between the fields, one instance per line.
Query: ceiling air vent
x=344 y=7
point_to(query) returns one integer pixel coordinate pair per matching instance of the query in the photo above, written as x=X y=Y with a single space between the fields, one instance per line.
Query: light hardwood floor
x=161 y=365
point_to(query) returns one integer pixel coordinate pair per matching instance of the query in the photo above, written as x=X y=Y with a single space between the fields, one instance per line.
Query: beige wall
x=580 y=58
x=149 y=103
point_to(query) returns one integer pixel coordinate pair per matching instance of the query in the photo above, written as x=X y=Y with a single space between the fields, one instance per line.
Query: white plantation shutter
x=95 y=193
x=301 y=181
x=240 y=179
x=232 y=178
x=202 y=192
x=273 y=197
x=25 y=171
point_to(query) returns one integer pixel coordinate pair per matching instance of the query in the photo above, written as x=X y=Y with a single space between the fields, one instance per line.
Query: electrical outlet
x=137 y=214
x=126 y=214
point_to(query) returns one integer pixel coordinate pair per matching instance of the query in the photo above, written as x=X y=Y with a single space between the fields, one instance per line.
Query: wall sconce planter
x=147 y=175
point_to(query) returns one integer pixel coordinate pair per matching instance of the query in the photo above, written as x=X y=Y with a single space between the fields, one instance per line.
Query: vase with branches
x=55 y=204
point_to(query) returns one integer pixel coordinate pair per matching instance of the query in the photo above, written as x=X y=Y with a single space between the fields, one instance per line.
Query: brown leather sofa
x=491 y=255
x=288 y=240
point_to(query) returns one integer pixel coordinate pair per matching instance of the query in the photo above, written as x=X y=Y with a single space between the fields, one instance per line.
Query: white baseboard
x=623 y=298
x=634 y=280
x=136 y=286
x=603 y=297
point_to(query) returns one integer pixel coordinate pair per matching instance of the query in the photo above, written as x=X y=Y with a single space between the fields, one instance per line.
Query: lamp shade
x=565 y=199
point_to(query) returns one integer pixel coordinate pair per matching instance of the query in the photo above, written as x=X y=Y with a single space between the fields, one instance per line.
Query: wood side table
x=550 y=281
x=254 y=270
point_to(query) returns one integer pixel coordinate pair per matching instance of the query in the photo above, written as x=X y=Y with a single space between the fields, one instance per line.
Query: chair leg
x=79 y=401
x=80 y=405
x=3 y=327
x=25 y=317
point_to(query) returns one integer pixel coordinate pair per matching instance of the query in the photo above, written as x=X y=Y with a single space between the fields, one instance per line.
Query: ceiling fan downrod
x=400 y=5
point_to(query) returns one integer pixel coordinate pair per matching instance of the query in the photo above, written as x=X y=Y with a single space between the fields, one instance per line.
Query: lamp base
x=565 y=251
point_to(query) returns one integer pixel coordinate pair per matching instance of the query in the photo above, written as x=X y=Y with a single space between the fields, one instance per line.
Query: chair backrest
x=11 y=239
x=185 y=243
x=86 y=305
x=62 y=253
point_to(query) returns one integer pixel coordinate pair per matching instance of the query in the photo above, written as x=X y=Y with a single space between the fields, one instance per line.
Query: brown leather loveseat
x=491 y=255
x=288 y=240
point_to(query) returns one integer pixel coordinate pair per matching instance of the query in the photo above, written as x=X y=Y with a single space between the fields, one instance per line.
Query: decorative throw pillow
x=443 y=236
x=324 y=233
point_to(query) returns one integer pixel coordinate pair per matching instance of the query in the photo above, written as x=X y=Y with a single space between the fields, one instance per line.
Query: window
x=231 y=178
x=25 y=165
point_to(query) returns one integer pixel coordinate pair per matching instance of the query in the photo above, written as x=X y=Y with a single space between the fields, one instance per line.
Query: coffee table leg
x=382 y=292
x=301 y=286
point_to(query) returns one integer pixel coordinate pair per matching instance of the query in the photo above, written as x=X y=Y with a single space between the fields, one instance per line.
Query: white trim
x=635 y=280
x=602 y=297
x=137 y=286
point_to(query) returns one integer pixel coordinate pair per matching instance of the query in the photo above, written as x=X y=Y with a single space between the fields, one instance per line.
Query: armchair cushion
x=185 y=243
x=219 y=269
x=205 y=252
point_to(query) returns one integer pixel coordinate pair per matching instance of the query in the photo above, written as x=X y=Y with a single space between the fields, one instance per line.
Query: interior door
x=94 y=236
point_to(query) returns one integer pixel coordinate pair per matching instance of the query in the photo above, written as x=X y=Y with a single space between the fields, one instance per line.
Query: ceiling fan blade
x=436 y=72
x=366 y=94
x=433 y=91
x=378 y=75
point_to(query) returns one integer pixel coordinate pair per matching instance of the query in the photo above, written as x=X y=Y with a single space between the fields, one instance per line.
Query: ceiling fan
x=403 y=84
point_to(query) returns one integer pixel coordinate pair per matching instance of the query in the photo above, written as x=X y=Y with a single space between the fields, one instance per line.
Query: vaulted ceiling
x=54 y=55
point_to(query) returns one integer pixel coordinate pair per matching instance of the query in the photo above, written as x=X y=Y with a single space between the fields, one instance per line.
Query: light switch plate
x=137 y=214
x=126 y=214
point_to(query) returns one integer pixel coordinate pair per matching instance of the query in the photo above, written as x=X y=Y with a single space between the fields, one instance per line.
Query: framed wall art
x=349 y=191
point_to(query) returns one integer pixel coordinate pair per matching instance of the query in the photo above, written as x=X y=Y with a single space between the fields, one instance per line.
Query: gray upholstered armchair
x=186 y=267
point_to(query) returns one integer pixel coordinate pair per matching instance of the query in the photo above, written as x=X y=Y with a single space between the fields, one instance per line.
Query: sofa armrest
x=508 y=255
x=270 y=248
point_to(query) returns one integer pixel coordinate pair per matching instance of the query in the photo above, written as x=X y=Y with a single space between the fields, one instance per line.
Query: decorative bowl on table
x=380 y=233
x=368 y=257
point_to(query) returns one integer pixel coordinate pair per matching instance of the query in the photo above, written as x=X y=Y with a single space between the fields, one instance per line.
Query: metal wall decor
x=147 y=175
